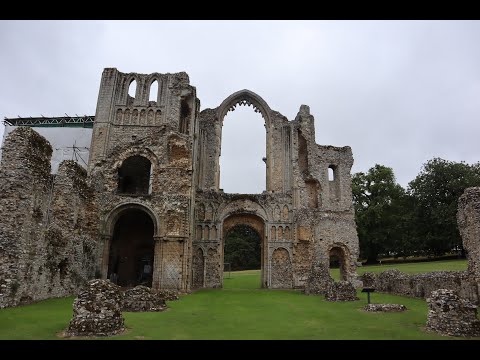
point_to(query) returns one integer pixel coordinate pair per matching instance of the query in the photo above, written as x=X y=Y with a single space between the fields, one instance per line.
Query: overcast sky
x=398 y=92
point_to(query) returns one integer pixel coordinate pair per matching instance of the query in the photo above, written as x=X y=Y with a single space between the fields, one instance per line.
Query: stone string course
x=448 y=314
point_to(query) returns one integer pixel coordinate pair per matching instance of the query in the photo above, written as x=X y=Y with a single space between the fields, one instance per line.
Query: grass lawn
x=242 y=311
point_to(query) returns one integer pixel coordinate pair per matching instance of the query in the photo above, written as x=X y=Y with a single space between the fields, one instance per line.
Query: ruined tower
x=140 y=166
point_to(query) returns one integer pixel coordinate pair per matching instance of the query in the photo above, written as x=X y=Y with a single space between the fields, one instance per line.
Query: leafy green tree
x=378 y=202
x=242 y=248
x=436 y=190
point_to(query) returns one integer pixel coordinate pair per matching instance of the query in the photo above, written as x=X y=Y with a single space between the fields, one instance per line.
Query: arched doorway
x=337 y=260
x=131 y=254
x=256 y=225
x=242 y=248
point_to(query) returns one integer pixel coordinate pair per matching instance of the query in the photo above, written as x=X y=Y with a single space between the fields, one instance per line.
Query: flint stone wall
x=450 y=315
x=341 y=291
x=421 y=285
x=97 y=310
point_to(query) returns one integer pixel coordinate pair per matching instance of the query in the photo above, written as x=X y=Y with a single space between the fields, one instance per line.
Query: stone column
x=106 y=241
x=157 y=263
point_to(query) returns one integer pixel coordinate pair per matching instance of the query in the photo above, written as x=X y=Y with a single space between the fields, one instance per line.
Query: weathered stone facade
x=47 y=223
x=468 y=220
x=97 y=310
x=450 y=315
x=150 y=210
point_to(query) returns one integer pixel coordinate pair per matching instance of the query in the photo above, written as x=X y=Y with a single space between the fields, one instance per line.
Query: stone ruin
x=318 y=280
x=141 y=299
x=368 y=279
x=450 y=315
x=421 y=285
x=97 y=310
x=168 y=295
x=341 y=291
x=385 y=308
x=48 y=223
x=468 y=219
x=149 y=209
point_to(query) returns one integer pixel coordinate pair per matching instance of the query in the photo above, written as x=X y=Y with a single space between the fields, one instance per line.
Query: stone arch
x=244 y=206
x=131 y=151
x=285 y=213
x=281 y=269
x=273 y=233
x=276 y=213
x=342 y=254
x=198 y=268
x=206 y=232
x=200 y=213
x=254 y=217
x=154 y=84
x=209 y=212
x=199 y=233
x=246 y=97
x=115 y=213
x=109 y=228
x=132 y=80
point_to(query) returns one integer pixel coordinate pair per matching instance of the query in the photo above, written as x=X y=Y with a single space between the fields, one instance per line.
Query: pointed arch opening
x=243 y=152
x=132 y=88
x=153 y=94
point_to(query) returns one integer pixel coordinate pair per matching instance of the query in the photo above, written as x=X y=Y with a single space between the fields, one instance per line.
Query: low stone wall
x=341 y=291
x=421 y=285
x=450 y=315
x=97 y=310
x=142 y=298
x=385 y=308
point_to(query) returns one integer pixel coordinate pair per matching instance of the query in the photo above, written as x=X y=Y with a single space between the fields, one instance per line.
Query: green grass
x=242 y=311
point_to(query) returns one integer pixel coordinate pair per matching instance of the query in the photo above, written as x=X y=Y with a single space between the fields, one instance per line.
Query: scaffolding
x=43 y=121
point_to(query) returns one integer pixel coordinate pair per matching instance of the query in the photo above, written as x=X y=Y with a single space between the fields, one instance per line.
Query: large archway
x=257 y=224
x=248 y=98
x=131 y=252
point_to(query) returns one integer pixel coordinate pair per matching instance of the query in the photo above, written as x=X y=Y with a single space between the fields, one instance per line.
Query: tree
x=378 y=202
x=242 y=248
x=435 y=191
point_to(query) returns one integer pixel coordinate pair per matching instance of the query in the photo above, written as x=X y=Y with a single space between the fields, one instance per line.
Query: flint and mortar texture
x=97 y=310
x=448 y=314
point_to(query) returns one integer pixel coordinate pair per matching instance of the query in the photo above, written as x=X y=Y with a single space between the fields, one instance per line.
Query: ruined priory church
x=140 y=201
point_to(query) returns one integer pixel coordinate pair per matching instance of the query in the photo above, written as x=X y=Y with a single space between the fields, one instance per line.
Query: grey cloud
x=397 y=92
